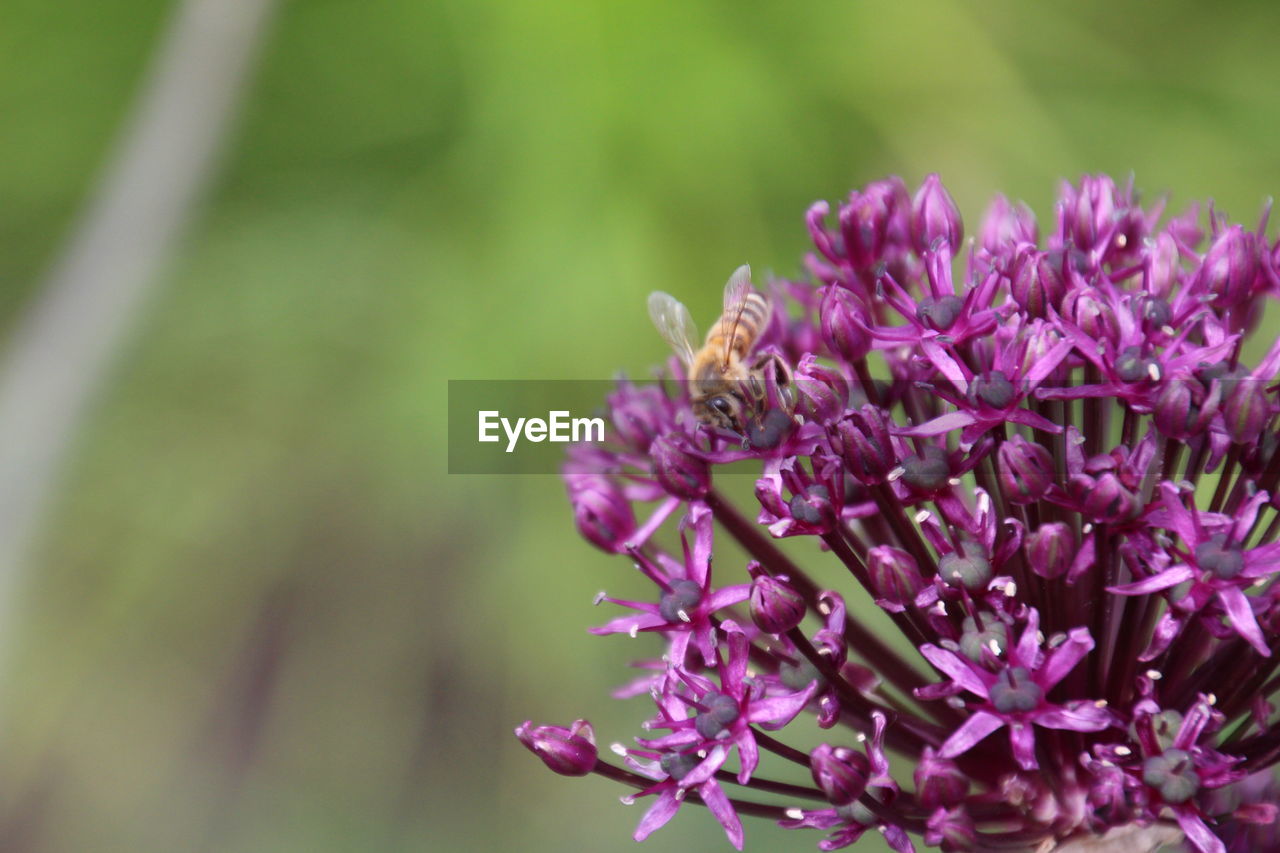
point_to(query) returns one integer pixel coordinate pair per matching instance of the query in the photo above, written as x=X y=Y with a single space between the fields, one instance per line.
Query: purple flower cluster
x=1060 y=487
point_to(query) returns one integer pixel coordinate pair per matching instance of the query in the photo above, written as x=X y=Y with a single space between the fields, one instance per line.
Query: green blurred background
x=259 y=614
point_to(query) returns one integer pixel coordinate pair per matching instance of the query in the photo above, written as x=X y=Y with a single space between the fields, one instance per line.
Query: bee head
x=723 y=409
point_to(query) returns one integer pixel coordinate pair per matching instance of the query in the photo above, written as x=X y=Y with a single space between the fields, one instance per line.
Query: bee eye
x=721 y=405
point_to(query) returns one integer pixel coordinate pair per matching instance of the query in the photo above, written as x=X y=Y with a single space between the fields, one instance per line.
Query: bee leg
x=778 y=389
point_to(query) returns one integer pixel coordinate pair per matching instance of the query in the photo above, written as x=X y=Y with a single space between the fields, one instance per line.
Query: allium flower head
x=1051 y=462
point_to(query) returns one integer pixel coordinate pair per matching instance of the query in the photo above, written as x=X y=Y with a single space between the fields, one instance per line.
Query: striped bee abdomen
x=749 y=324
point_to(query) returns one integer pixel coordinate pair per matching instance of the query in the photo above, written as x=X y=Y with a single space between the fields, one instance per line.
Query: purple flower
x=1051 y=464
x=1013 y=683
x=686 y=602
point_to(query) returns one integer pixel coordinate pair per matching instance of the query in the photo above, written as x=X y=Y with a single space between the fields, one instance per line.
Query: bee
x=728 y=389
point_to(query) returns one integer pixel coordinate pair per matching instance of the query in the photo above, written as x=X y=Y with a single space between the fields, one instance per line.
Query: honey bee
x=726 y=389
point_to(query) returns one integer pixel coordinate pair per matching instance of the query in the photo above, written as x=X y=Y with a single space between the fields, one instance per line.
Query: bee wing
x=736 y=291
x=674 y=324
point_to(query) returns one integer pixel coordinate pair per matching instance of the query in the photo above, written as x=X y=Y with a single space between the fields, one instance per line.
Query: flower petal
x=748 y=756
x=781 y=710
x=1170 y=577
x=1200 y=836
x=981 y=724
x=726 y=596
x=1079 y=717
x=958 y=670
x=1064 y=658
x=718 y=804
x=663 y=809
x=939 y=425
x=1236 y=603
x=1023 y=741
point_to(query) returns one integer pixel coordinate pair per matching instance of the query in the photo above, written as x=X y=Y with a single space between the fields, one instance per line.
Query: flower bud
x=951 y=829
x=639 y=415
x=1229 y=268
x=1050 y=549
x=841 y=773
x=775 y=605
x=1086 y=308
x=895 y=575
x=1087 y=213
x=841 y=316
x=1164 y=265
x=601 y=512
x=1179 y=414
x=1037 y=284
x=939 y=782
x=862 y=440
x=1246 y=411
x=1026 y=470
x=1005 y=224
x=1104 y=498
x=934 y=217
x=682 y=474
x=824 y=391
x=968 y=567
x=569 y=752
x=869 y=219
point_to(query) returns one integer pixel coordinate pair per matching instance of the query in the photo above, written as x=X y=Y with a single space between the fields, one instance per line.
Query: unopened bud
x=601 y=512
x=862 y=440
x=1088 y=212
x=681 y=473
x=939 y=782
x=1026 y=470
x=569 y=752
x=1246 y=411
x=1230 y=267
x=1006 y=224
x=776 y=607
x=824 y=391
x=935 y=217
x=1050 y=549
x=895 y=575
x=842 y=319
x=1104 y=498
x=1037 y=284
x=870 y=218
x=841 y=773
